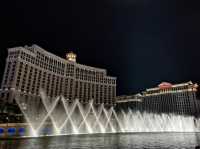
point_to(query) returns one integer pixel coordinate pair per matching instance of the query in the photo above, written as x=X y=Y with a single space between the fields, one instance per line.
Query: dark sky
x=142 y=42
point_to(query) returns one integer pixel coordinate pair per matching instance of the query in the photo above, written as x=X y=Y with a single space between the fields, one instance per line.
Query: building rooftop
x=34 y=48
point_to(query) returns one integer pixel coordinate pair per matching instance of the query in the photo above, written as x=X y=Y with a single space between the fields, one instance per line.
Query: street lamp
x=24 y=107
x=7 y=120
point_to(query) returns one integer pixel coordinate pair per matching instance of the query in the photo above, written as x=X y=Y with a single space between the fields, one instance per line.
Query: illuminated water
x=63 y=117
x=100 y=127
x=109 y=141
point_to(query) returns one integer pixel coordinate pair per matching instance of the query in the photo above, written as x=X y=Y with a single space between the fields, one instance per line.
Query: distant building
x=166 y=98
x=30 y=69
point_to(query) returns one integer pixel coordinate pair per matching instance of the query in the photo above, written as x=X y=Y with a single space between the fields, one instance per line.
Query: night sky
x=141 y=42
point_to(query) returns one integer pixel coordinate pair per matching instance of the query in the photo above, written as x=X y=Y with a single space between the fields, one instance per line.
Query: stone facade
x=166 y=98
x=32 y=69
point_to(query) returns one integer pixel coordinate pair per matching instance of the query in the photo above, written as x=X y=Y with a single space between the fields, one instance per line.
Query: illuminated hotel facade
x=31 y=69
x=166 y=98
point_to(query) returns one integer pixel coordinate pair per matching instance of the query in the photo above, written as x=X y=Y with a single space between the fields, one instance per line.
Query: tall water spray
x=64 y=117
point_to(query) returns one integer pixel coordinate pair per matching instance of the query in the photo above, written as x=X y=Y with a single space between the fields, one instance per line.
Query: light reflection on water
x=109 y=141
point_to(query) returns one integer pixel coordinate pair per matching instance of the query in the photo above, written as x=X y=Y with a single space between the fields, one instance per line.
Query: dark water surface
x=109 y=141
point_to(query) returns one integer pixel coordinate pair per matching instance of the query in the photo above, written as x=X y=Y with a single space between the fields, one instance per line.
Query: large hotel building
x=31 y=69
x=166 y=98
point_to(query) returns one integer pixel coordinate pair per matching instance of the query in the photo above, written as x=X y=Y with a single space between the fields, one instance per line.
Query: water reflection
x=111 y=141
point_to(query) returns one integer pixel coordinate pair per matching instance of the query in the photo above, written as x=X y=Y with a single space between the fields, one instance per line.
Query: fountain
x=66 y=118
